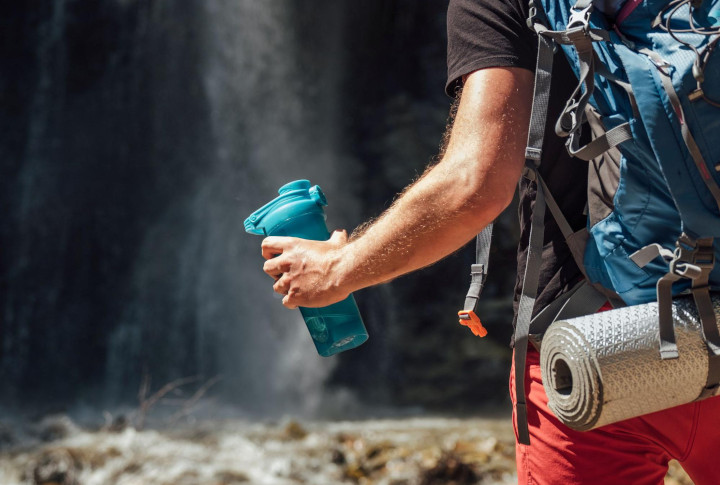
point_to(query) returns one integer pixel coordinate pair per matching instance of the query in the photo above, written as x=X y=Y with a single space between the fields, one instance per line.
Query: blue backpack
x=649 y=91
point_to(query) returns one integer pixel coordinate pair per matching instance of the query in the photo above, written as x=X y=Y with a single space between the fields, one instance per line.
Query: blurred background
x=137 y=135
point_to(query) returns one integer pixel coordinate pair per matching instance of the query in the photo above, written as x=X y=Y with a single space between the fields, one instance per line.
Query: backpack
x=649 y=92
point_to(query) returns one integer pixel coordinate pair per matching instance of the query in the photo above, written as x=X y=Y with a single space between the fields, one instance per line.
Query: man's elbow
x=481 y=198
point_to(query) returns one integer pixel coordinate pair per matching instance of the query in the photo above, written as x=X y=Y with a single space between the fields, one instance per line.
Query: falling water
x=270 y=121
x=152 y=130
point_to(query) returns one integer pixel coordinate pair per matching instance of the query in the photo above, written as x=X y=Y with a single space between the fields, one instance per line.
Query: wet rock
x=449 y=470
x=55 y=467
x=118 y=424
x=337 y=457
x=231 y=477
x=355 y=472
x=294 y=431
x=377 y=456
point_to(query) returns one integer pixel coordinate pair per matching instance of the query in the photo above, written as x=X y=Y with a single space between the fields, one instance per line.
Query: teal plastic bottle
x=298 y=212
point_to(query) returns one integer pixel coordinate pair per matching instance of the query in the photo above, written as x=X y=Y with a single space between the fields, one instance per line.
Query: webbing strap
x=668 y=345
x=684 y=130
x=525 y=307
x=581 y=299
x=712 y=339
x=541 y=97
x=663 y=288
x=692 y=259
x=603 y=143
x=585 y=301
x=704 y=259
x=478 y=271
x=542 y=320
x=577 y=252
x=566 y=37
x=533 y=152
x=570 y=121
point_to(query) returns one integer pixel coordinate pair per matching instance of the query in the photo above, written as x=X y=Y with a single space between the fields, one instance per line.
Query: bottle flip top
x=295 y=199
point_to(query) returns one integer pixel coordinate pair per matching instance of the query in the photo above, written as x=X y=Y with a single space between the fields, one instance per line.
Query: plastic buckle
x=472 y=321
x=580 y=18
x=532 y=12
x=692 y=259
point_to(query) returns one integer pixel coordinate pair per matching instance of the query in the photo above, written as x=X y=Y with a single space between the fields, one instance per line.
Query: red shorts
x=635 y=451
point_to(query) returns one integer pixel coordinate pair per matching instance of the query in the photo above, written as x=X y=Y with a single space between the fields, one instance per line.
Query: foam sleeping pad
x=606 y=367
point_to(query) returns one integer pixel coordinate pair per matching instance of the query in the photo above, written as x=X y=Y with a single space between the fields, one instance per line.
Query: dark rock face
x=134 y=139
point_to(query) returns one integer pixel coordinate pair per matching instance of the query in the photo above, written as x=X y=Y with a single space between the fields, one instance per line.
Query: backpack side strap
x=693 y=259
x=533 y=154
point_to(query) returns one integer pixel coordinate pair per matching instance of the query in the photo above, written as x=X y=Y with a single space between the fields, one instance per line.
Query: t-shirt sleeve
x=487 y=33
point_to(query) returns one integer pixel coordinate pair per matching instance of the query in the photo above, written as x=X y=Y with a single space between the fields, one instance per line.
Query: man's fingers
x=288 y=302
x=275 y=267
x=274 y=245
x=281 y=286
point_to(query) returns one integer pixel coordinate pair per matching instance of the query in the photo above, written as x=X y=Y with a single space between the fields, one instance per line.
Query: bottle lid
x=294 y=197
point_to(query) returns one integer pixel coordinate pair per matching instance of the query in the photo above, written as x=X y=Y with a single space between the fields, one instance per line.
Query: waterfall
x=270 y=121
x=152 y=129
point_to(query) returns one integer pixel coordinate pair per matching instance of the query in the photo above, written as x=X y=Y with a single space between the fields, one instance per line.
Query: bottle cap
x=294 y=198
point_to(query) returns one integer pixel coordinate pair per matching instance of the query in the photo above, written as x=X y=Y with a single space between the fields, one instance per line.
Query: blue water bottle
x=298 y=212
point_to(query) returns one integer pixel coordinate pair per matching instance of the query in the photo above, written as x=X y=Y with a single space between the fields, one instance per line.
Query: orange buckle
x=470 y=320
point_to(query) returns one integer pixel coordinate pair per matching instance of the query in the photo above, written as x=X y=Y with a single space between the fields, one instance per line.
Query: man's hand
x=306 y=272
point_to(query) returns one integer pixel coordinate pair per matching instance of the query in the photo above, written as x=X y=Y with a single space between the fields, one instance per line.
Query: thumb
x=339 y=237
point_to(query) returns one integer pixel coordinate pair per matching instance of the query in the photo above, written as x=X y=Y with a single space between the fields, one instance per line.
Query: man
x=491 y=55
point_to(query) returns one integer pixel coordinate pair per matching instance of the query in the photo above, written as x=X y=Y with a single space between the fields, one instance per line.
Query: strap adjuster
x=692 y=258
x=580 y=18
x=472 y=321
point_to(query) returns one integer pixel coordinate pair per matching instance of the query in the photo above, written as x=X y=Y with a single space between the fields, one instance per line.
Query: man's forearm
x=454 y=200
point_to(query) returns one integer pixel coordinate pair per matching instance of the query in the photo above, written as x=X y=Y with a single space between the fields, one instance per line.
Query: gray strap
x=541 y=97
x=668 y=345
x=712 y=339
x=571 y=120
x=603 y=143
x=643 y=256
x=585 y=301
x=478 y=271
x=578 y=252
x=684 y=130
x=525 y=308
x=567 y=37
x=663 y=289
x=533 y=152
x=581 y=299
x=693 y=259
x=704 y=259
x=547 y=315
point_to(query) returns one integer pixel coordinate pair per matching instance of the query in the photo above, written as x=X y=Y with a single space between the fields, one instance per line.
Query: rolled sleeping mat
x=606 y=367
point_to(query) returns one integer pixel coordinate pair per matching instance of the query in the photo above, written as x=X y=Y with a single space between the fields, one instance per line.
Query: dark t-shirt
x=494 y=33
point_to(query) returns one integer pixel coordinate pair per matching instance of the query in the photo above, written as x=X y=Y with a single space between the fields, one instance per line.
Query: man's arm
x=443 y=210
